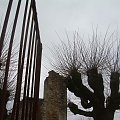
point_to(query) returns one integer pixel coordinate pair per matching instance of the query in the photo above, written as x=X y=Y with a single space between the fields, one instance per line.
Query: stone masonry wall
x=55 y=98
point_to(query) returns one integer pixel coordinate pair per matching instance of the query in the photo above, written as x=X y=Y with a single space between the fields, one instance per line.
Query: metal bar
x=22 y=64
x=8 y=62
x=26 y=74
x=38 y=64
x=19 y=60
x=37 y=80
x=33 y=68
x=35 y=18
x=2 y=37
x=27 y=102
x=32 y=84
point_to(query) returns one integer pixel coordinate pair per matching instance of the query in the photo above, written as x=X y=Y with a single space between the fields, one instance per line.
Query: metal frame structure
x=30 y=74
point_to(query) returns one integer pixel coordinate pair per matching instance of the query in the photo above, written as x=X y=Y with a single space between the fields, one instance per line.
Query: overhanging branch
x=75 y=85
x=74 y=108
x=86 y=104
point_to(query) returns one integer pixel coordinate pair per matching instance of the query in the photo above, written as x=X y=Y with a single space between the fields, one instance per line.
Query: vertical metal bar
x=30 y=68
x=19 y=61
x=38 y=64
x=37 y=80
x=32 y=84
x=2 y=37
x=8 y=61
x=22 y=64
x=35 y=18
x=26 y=74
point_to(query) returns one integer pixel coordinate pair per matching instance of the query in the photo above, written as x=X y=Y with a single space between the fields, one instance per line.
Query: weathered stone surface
x=55 y=97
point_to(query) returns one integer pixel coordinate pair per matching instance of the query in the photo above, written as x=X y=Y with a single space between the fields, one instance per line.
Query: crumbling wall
x=55 y=97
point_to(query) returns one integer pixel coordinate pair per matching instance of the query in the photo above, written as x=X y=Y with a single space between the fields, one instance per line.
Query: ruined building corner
x=54 y=105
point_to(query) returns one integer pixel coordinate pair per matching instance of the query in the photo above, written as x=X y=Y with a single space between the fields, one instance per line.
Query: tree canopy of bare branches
x=97 y=58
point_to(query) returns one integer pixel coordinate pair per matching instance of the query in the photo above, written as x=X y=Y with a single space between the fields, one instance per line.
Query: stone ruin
x=54 y=104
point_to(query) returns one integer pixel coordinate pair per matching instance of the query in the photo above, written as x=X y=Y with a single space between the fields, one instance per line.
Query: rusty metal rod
x=8 y=62
x=32 y=84
x=37 y=79
x=28 y=86
x=2 y=37
x=22 y=65
x=19 y=59
x=26 y=74
x=35 y=18
x=38 y=64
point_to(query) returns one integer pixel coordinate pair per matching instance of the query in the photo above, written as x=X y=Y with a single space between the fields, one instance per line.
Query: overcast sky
x=73 y=14
x=70 y=15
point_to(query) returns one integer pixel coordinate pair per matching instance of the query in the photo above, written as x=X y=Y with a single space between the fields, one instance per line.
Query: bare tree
x=11 y=82
x=92 y=71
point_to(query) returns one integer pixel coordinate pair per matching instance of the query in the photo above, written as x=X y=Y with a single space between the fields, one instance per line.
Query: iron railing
x=29 y=63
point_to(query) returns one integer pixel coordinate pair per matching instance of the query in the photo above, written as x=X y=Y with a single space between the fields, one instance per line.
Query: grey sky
x=71 y=15
x=74 y=14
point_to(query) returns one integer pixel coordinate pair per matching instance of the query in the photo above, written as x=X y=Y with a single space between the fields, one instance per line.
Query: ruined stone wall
x=55 y=97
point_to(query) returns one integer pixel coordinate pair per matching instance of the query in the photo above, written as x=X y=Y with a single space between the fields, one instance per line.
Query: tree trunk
x=104 y=115
x=110 y=114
